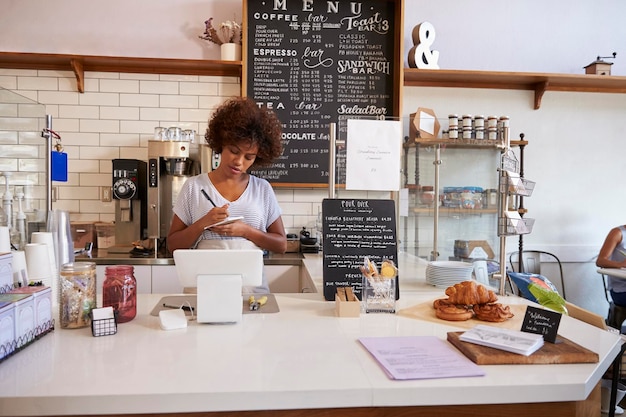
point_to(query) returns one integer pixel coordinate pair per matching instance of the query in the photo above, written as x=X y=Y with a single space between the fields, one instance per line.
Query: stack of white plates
x=443 y=274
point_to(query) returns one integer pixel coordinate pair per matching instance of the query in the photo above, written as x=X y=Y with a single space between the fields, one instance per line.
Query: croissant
x=453 y=313
x=492 y=312
x=468 y=293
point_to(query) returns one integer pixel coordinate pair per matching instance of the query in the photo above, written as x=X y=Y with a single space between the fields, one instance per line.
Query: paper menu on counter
x=419 y=357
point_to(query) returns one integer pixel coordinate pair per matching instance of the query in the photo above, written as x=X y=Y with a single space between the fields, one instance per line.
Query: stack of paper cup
x=5 y=240
x=59 y=226
x=47 y=238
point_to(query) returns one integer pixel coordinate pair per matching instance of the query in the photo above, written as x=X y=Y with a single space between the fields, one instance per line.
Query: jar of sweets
x=453 y=121
x=120 y=291
x=78 y=294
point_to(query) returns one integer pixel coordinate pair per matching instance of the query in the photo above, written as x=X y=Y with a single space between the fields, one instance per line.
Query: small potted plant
x=227 y=35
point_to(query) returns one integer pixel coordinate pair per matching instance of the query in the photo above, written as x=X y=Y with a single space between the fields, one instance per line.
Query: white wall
x=522 y=35
x=138 y=28
x=575 y=139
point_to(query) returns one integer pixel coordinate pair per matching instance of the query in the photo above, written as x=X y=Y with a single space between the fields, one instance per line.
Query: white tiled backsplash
x=114 y=118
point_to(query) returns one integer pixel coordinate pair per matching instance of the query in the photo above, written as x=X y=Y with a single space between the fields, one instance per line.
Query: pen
x=207 y=197
x=184 y=307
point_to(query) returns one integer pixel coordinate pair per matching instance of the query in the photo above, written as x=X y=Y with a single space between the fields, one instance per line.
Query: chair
x=615 y=319
x=531 y=264
x=617 y=314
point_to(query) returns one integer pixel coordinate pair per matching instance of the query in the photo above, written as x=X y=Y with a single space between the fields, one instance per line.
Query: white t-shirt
x=258 y=206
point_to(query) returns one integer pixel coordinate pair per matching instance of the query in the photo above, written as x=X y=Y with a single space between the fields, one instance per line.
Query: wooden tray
x=565 y=351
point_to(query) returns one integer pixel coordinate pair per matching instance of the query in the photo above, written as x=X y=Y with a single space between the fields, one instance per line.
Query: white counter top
x=300 y=358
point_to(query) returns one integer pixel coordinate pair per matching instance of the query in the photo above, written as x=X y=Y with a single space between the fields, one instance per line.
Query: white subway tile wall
x=114 y=118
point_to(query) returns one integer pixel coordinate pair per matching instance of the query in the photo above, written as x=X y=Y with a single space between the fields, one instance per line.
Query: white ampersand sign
x=420 y=55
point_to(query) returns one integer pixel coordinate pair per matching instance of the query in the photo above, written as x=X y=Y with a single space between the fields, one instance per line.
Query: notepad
x=514 y=341
x=225 y=221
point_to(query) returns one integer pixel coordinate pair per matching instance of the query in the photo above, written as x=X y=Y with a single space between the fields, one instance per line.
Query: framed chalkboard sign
x=318 y=62
x=353 y=229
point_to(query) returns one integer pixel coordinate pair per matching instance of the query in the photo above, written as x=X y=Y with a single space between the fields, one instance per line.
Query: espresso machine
x=169 y=166
x=130 y=194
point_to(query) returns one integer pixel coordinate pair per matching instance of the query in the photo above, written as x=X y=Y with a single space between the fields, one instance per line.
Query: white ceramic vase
x=231 y=52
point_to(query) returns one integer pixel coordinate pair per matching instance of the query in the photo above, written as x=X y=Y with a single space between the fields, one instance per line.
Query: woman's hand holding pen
x=216 y=214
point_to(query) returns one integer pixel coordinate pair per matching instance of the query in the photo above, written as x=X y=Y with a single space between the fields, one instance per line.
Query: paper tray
x=512 y=227
x=271 y=306
x=516 y=185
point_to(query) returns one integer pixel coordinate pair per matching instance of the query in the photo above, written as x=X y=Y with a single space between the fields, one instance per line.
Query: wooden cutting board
x=550 y=353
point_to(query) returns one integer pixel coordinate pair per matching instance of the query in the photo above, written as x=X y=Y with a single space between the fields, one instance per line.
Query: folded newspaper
x=514 y=341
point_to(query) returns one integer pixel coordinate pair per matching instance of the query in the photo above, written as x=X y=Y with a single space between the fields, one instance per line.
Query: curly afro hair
x=240 y=120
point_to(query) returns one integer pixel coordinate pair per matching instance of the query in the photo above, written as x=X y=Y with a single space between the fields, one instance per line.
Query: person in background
x=246 y=136
x=613 y=255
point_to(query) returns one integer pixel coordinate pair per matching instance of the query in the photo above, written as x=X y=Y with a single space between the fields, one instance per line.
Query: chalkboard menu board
x=318 y=62
x=353 y=229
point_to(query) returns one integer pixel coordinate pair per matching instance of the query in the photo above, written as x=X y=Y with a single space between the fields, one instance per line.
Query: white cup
x=20 y=272
x=38 y=263
x=47 y=239
x=5 y=240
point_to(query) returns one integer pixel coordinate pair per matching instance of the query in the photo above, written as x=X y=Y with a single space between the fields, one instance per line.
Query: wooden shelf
x=537 y=82
x=462 y=143
x=450 y=211
x=81 y=63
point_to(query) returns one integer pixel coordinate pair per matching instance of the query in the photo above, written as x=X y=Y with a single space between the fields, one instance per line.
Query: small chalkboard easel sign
x=543 y=322
x=352 y=230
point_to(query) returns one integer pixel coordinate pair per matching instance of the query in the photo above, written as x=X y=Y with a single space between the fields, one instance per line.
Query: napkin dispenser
x=346 y=303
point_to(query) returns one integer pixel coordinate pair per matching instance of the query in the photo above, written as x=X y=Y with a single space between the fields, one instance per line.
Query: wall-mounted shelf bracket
x=79 y=72
x=540 y=88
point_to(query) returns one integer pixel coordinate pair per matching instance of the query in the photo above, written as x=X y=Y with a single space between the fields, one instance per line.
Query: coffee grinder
x=169 y=166
x=130 y=194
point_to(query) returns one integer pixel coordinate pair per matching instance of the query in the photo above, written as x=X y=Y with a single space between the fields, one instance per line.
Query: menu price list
x=315 y=63
x=352 y=230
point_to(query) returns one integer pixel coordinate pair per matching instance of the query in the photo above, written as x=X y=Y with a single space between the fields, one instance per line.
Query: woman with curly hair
x=246 y=136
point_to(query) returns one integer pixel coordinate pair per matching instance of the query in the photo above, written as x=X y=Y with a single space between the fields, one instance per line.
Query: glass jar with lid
x=78 y=294
x=120 y=291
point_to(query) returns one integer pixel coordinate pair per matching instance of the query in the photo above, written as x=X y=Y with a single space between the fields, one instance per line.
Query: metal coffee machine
x=169 y=166
x=130 y=194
